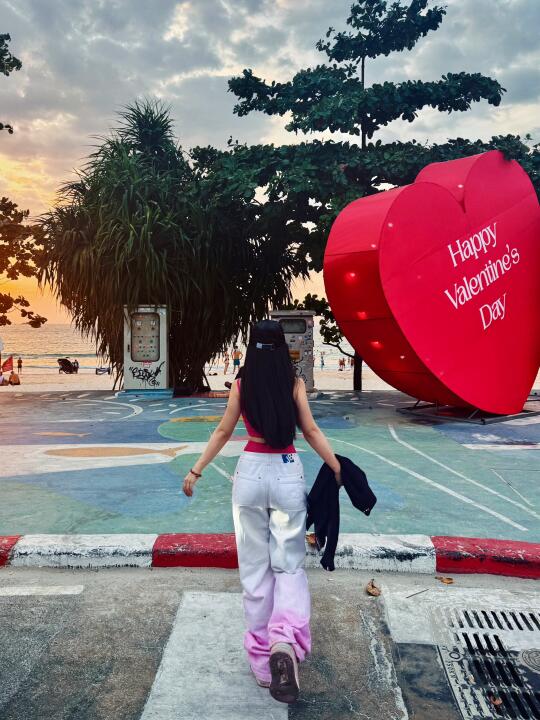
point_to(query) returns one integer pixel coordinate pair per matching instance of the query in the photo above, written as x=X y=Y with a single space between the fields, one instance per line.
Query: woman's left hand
x=189 y=483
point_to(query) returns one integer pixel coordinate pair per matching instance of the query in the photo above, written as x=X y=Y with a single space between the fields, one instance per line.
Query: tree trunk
x=357 y=375
x=195 y=380
x=187 y=380
x=363 y=81
x=186 y=369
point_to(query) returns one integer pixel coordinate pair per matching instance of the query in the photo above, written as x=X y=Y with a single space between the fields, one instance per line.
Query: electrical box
x=146 y=348
x=298 y=328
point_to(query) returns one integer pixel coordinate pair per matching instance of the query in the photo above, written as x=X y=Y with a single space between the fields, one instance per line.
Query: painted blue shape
x=133 y=491
x=99 y=433
x=491 y=434
x=334 y=422
x=387 y=498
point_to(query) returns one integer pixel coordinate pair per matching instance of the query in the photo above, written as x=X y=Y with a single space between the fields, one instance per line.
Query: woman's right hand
x=189 y=483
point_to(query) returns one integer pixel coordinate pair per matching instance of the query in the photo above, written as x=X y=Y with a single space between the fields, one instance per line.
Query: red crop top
x=261 y=447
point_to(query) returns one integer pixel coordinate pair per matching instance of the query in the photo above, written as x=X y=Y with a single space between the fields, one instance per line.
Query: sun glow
x=27 y=183
x=40 y=301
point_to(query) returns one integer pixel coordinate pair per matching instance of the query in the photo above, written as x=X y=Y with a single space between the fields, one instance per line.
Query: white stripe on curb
x=84 y=550
x=395 y=553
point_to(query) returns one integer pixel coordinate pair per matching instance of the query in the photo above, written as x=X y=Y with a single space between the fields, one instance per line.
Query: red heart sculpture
x=437 y=284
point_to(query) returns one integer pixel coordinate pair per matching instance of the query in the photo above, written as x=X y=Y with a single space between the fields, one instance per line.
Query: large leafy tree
x=8 y=63
x=18 y=248
x=19 y=240
x=312 y=181
x=145 y=224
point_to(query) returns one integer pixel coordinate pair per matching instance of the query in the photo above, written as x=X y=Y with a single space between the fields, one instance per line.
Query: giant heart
x=437 y=284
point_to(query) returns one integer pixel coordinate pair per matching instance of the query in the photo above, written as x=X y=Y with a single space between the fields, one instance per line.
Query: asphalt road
x=143 y=644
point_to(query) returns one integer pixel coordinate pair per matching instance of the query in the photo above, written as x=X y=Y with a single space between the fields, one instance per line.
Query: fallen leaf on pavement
x=373 y=589
x=444 y=580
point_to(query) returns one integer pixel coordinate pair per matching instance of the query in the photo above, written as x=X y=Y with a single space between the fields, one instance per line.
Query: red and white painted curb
x=398 y=553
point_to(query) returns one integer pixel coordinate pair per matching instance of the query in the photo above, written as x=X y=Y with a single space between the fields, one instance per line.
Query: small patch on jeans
x=288 y=458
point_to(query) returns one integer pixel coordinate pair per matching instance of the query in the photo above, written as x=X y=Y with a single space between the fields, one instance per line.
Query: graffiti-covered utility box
x=146 y=351
x=298 y=328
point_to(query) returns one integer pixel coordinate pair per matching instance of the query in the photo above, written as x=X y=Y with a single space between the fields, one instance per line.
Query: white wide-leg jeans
x=269 y=512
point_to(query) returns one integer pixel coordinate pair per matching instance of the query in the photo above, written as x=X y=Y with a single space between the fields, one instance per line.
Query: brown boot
x=285 y=684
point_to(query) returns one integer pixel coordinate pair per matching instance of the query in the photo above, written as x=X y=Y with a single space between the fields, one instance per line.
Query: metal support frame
x=453 y=414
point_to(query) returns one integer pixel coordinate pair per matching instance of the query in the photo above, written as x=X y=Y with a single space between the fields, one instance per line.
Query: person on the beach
x=269 y=506
x=226 y=362
x=14 y=378
x=238 y=375
x=19 y=365
x=2 y=381
x=322 y=361
x=237 y=356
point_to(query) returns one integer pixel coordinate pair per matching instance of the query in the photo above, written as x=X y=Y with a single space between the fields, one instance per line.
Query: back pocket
x=288 y=493
x=247 y=490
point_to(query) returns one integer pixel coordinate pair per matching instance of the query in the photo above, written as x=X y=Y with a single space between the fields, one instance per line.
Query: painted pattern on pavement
x=105 y=463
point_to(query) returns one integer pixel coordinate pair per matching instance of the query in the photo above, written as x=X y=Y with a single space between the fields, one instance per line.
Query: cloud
x=82 y=61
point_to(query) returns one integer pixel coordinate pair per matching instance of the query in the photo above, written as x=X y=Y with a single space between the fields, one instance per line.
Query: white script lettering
x=495 y=311
x=473 y=246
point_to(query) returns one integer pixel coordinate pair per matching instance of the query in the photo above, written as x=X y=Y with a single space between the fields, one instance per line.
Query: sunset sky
x=84 y=59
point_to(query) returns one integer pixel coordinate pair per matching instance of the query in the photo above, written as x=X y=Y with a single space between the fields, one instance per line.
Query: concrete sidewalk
x=143 y=644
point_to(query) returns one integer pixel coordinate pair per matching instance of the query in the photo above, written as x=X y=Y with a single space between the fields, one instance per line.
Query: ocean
x=41 y=347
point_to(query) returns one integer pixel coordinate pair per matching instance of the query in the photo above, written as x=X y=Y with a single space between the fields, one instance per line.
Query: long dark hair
x=266 y=389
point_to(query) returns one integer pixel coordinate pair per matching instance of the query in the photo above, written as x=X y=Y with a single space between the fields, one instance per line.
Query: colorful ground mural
x=102 y=463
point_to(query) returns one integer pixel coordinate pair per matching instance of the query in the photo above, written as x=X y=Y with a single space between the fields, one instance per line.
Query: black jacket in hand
x=323 y=504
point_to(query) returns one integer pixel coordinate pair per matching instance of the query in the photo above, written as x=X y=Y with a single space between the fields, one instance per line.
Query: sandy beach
x=48 y=381
x=41 y=348
x=35 y=381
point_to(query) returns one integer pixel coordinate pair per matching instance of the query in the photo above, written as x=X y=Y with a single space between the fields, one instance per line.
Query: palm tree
x=146 y=224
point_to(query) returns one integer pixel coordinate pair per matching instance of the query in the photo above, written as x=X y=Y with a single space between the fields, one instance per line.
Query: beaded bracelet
x=197 y=475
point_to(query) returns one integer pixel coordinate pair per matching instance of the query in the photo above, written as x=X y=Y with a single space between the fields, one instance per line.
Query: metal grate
x=492 y=660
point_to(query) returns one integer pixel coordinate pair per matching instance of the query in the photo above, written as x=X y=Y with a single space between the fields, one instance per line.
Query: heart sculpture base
x=437 y=284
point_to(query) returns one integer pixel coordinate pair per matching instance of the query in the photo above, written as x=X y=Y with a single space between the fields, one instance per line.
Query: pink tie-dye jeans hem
x=288 y=621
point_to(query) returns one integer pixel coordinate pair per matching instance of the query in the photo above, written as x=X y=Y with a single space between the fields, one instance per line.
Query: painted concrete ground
x=98 y=463
x=166 y=644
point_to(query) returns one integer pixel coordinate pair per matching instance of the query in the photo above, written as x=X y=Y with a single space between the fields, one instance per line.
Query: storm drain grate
x=492 y=660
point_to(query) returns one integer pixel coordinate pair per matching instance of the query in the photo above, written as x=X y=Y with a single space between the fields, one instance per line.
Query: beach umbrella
x=7 y=366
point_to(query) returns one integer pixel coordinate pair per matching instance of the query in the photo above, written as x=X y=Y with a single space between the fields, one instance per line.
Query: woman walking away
x=269 y=507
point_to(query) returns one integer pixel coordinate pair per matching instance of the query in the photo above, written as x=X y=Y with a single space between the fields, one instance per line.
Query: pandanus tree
x=312 y=181
x=145 y=224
